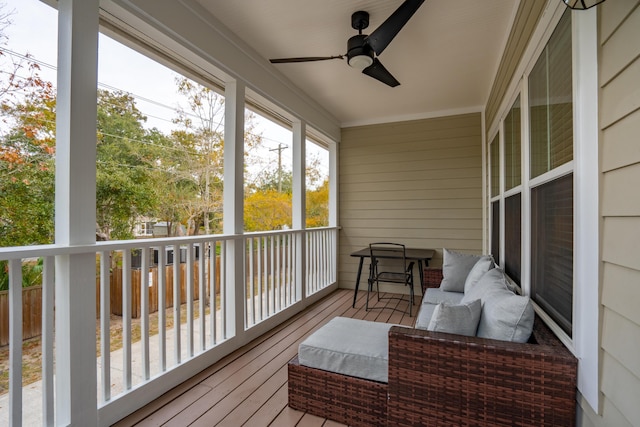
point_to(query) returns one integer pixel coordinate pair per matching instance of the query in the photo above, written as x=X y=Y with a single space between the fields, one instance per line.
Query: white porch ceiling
x=445 y=57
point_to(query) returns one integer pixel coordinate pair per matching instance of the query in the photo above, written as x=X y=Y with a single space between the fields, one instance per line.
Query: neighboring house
x=144 y=228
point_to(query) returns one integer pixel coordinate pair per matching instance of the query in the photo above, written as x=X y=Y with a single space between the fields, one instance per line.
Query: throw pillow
x=456 y=319
x=484 y=264
x=506 y=316
x=493 y=279
x=455 y=269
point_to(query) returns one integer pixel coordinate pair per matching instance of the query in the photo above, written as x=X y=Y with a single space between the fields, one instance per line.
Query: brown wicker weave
x=431 y=278
x=439 y=379
x=345 y=399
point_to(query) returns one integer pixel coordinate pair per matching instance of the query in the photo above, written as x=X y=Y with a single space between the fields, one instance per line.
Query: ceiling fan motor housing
x=359 y=53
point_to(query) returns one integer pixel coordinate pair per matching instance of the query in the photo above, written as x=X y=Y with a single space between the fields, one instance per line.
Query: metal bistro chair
x=389 y=265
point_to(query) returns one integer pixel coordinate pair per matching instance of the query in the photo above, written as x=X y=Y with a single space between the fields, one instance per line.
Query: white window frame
x=585 y=340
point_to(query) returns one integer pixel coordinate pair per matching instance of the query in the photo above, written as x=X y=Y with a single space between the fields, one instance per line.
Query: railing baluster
x=260 y=276
x=212 y=290
x=126 y=318
x=15 y=342
x=252 y=299
x=189 y=284
x=202 y=286
x=277 y=275
x=223 y=288
x=144 y=311
x=272 y=299
x=176 y=305
x=48 y=274
x=162 y=307
x=105 y=323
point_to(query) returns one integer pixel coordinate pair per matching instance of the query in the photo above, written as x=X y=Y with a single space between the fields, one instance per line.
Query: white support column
x=333 y=206
x=587 y=221
x=75 y=221
x=333 y=185
x=234 y=204
x=299 y=204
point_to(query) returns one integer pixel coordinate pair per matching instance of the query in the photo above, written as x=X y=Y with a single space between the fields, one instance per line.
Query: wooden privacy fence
x=116 y=287
x=31 y=313
x=32 y=297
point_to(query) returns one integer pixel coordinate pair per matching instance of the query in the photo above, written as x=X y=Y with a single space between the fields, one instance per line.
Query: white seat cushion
x=354 y=347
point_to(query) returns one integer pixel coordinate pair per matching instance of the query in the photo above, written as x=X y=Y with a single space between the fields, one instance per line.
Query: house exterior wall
x=619 y=208
x=416 y=182
x=619 y=105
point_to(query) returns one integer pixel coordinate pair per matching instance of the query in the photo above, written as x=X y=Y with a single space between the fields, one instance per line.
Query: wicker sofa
x=440 y=379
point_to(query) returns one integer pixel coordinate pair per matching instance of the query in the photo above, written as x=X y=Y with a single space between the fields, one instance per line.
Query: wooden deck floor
x=249 y=387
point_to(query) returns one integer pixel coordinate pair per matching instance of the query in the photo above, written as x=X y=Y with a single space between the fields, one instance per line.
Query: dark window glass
x=494 y=153
x=495 y=231
x=512 y=141
x=552 y=249
x=513 y=236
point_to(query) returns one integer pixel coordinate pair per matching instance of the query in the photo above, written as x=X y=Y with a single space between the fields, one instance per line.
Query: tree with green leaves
x=127 y=155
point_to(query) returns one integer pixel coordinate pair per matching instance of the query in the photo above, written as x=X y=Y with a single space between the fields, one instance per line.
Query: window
x=551 y=146
x=550 y=103
x=495 y=231
x=552 y=249
x=494 y=155
x=513 y=236
x=544 y=217
x=494 y=158
x=317 y=179
x=512 y=142
x=513 y=202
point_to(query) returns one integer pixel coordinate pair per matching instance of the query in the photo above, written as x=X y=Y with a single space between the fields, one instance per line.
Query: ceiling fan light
x=582 y=4
x=360 y=62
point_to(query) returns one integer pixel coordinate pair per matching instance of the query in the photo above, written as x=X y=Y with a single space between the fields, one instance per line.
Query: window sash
x=552 y=249
x=551 y=103
x=513 y=236
x=512 y=143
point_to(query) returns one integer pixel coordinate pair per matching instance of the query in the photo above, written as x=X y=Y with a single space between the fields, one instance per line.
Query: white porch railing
x=142 y=354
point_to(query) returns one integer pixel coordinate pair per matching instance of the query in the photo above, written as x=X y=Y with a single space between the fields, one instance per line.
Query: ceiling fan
x=363 y=50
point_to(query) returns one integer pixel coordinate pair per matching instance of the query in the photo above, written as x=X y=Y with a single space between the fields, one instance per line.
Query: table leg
x=421 y=273
x=355 y=293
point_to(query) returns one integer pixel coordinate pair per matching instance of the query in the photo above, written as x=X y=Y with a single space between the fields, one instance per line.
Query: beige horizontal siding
x=618 y=150
x=416 y=182
x=616 y=202
x=619 y=74
x=621 y=292
x=620 y=96
x=619 y=385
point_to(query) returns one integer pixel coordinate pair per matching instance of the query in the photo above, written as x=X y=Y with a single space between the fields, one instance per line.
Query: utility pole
x=279 y=150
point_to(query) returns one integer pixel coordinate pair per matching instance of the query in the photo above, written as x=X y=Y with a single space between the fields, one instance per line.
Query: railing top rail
x=21 y=252
x=277 y=232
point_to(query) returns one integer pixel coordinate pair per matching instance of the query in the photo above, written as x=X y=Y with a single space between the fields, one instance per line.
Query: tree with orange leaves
x=27 y=136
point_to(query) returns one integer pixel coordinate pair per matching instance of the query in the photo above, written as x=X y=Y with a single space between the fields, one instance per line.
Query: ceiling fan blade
x=378 y=72
x=382 y=36
x=304 y=59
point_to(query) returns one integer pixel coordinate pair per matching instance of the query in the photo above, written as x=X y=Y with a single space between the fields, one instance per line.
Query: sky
x=33 y=30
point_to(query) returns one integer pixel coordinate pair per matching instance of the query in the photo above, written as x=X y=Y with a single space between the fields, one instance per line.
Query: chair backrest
x=393 y=255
